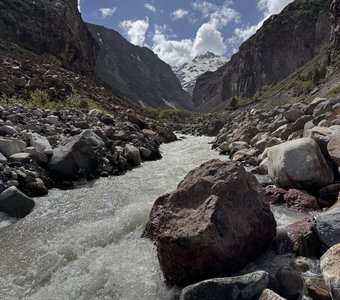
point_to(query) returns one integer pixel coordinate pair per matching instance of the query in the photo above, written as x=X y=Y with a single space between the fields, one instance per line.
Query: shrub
x=175 y=115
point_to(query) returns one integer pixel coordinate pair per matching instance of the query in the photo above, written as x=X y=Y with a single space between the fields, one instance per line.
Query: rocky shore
x=41 y=149
x=198 y=229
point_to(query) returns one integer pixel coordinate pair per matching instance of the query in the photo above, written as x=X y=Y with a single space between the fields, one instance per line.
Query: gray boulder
x=40 y=143
x=76 y=157
x=292 y=115
x=15 y=203
x=11 y=146
x=246 y=287
x=132 y=155
x=289 y=168
x=327 y=227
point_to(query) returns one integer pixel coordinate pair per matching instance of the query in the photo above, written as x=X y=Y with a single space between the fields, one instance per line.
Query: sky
x=179 y=30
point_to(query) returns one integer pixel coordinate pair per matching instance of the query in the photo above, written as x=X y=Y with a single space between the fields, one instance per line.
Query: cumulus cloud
x=176 y=53
x=171 y=51
x=150 y=7
x=218 y=15
x=268 y=7
x=208 y=38
x=106 y=12
x=135 y=30
x=79 y=5
x=179 y=13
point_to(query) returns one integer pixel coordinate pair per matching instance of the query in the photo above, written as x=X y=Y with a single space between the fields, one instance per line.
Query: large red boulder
x=214 y=223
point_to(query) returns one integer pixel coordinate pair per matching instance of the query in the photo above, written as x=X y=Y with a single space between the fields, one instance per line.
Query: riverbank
x=42 y=148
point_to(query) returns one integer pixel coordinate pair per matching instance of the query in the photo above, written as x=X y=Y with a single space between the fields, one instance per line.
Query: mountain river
x=85 y=243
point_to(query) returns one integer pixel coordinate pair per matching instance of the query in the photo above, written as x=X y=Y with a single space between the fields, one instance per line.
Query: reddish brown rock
x=299 y=238
x=300 y=200
x=275 y=196
x=214 y=223
x=317 y=288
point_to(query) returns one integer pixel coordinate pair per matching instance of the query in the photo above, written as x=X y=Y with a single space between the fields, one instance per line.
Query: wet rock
x=330 y=268
x=270 y=295
x=299 y=238
x=77 y=157
x=288 y=167
x=317 y=288
x=300 y=200
x=15 y=203
x=208 y=226
x=246 y=287
x=132 y=155
x=291 y=283
x=11 y=146
x=327 y=227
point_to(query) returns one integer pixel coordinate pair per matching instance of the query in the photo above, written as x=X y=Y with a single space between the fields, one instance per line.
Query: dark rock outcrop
x=213 y=224
x=283 y=44
x=49 y=27
x=334 y=54
x=136 y=72
x=15 y=203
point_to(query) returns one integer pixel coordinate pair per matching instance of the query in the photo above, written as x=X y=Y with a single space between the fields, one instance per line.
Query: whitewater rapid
x=85 y=243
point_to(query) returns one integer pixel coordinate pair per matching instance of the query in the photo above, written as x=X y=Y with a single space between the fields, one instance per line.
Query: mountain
x=49 y=27
x=189 y=72
x=334 y=55
x=283 y=44
x=136 y=72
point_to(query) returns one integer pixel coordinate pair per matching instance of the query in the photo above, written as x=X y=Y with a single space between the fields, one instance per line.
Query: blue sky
x=179 y=30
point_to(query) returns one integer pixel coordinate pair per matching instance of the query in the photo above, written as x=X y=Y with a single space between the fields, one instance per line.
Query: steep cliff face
x=52 y=27
x=136 y=72
x=335 y=37
x=283 y=44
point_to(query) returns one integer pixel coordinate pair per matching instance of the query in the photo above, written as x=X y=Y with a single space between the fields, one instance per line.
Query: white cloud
x=171 y=51
x=218 y=15
x=150 y=7
x=135 y=30
x=268 y=7
x=179 y=13
x=107 y=12
x=79 y=5
x=176 y=53
x=208 y=38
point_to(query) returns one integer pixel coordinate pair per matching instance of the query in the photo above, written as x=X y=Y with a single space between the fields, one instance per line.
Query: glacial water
x=85 y=243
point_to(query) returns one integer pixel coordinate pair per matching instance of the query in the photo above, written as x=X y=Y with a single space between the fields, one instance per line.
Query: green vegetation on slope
x=40 y=99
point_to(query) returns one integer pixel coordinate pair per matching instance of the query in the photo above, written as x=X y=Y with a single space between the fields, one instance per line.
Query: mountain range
x=189 y=72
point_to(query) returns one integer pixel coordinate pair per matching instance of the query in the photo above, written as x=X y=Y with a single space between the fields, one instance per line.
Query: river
x=85 y=243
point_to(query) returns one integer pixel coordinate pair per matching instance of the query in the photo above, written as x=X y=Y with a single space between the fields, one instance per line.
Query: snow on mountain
x=189 y=72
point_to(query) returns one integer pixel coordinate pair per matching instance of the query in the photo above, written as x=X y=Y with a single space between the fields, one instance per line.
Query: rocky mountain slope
x=189 y=72
x=282 y=45
x=335 y=39
x=136 y=72
x=49 y=27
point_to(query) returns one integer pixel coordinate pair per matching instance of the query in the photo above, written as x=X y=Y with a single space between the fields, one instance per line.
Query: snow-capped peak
x=189 y=72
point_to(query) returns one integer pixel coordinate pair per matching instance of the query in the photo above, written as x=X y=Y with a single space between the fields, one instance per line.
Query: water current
x=85 y=243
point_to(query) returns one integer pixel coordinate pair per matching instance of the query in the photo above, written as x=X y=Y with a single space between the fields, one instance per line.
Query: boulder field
x=41 y=149
x=213 y=223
